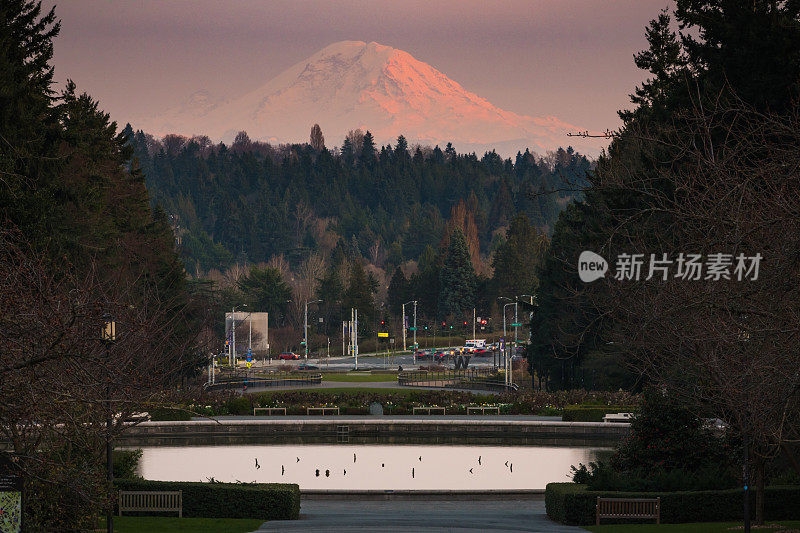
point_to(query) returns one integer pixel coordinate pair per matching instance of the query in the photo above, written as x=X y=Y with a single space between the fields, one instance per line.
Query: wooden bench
x=322 y=410
x=482 y=409
x=629 y=508
x=269 y=410
x=427 y=410
x=151 y=500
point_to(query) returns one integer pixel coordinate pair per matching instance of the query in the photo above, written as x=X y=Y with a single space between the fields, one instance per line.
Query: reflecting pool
x=369 y=467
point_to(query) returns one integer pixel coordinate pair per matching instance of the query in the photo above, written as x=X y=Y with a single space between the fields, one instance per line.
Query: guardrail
x=239 y=381
x=474 y=378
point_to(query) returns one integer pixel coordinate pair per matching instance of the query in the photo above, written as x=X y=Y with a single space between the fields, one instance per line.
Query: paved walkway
x=420 y=516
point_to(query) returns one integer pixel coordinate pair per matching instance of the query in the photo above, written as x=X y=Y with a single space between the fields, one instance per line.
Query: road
x=371 y=362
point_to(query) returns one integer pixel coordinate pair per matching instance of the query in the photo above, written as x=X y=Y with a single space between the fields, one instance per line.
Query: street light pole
x=305 y=330
x=233 y=325
x=403 y=316
x=505 y=351
x=516 y=321
x=305 y=325
x=415 y=331
x=109 y=335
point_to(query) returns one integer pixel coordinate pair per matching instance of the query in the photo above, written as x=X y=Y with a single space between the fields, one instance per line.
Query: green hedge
x=571 y=503
x=264 y=501
x=590 y=413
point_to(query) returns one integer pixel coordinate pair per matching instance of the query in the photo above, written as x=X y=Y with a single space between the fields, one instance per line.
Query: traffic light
x=465 y=322
x=443 y=324
x=382 y=322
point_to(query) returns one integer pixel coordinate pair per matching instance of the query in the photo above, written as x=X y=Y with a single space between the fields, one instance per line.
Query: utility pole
x=473 y=323
x=415 y=331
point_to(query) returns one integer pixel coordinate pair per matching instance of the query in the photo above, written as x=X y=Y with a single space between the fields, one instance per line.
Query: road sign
x=516 y=324
x=383 y=335
x=249 y=364
x=412 y=328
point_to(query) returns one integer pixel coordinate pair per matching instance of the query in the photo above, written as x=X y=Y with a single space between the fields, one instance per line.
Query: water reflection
x=369 y=467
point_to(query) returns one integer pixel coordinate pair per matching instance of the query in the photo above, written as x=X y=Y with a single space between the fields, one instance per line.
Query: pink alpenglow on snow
x=353 y=84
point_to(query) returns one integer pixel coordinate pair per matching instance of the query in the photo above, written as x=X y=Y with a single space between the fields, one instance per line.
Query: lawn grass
x=164 y=524
x=356 y=390
x=704 y=527
x=359 y=377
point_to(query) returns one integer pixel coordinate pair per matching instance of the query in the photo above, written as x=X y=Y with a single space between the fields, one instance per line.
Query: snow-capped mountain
x=352 y=84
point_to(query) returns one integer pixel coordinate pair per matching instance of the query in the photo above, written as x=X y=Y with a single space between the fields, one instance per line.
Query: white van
x=474 y=344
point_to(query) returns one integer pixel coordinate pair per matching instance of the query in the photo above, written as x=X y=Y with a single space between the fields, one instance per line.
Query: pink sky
x=567 y=58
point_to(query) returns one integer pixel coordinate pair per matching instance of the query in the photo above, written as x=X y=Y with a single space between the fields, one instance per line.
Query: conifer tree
x=359 y=295
x=317 y=140
x=368 y=154
x=516 y=260
x=264 y=290
x=457 y=278
x=398 y=291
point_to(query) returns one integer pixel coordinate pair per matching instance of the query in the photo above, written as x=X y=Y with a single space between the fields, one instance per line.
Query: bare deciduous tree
x=61 y=381
x=728 y=347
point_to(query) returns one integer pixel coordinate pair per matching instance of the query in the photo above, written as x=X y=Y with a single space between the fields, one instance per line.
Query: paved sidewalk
x=420 y=516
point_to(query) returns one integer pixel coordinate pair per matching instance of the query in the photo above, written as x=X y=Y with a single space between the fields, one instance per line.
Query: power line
x=608 y=134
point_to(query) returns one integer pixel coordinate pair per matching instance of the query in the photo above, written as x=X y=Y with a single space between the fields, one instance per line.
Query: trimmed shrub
x=571 y=503
x=601 y=476
x=264 y=501
x=583 y=413
x=125 y=463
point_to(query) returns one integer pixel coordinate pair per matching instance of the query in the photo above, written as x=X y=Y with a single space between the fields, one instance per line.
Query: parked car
x=306 y=366
x=288 y=355
x=482 y=352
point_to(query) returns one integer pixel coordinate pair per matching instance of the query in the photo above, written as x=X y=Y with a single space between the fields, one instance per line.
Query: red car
x=288 y=355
